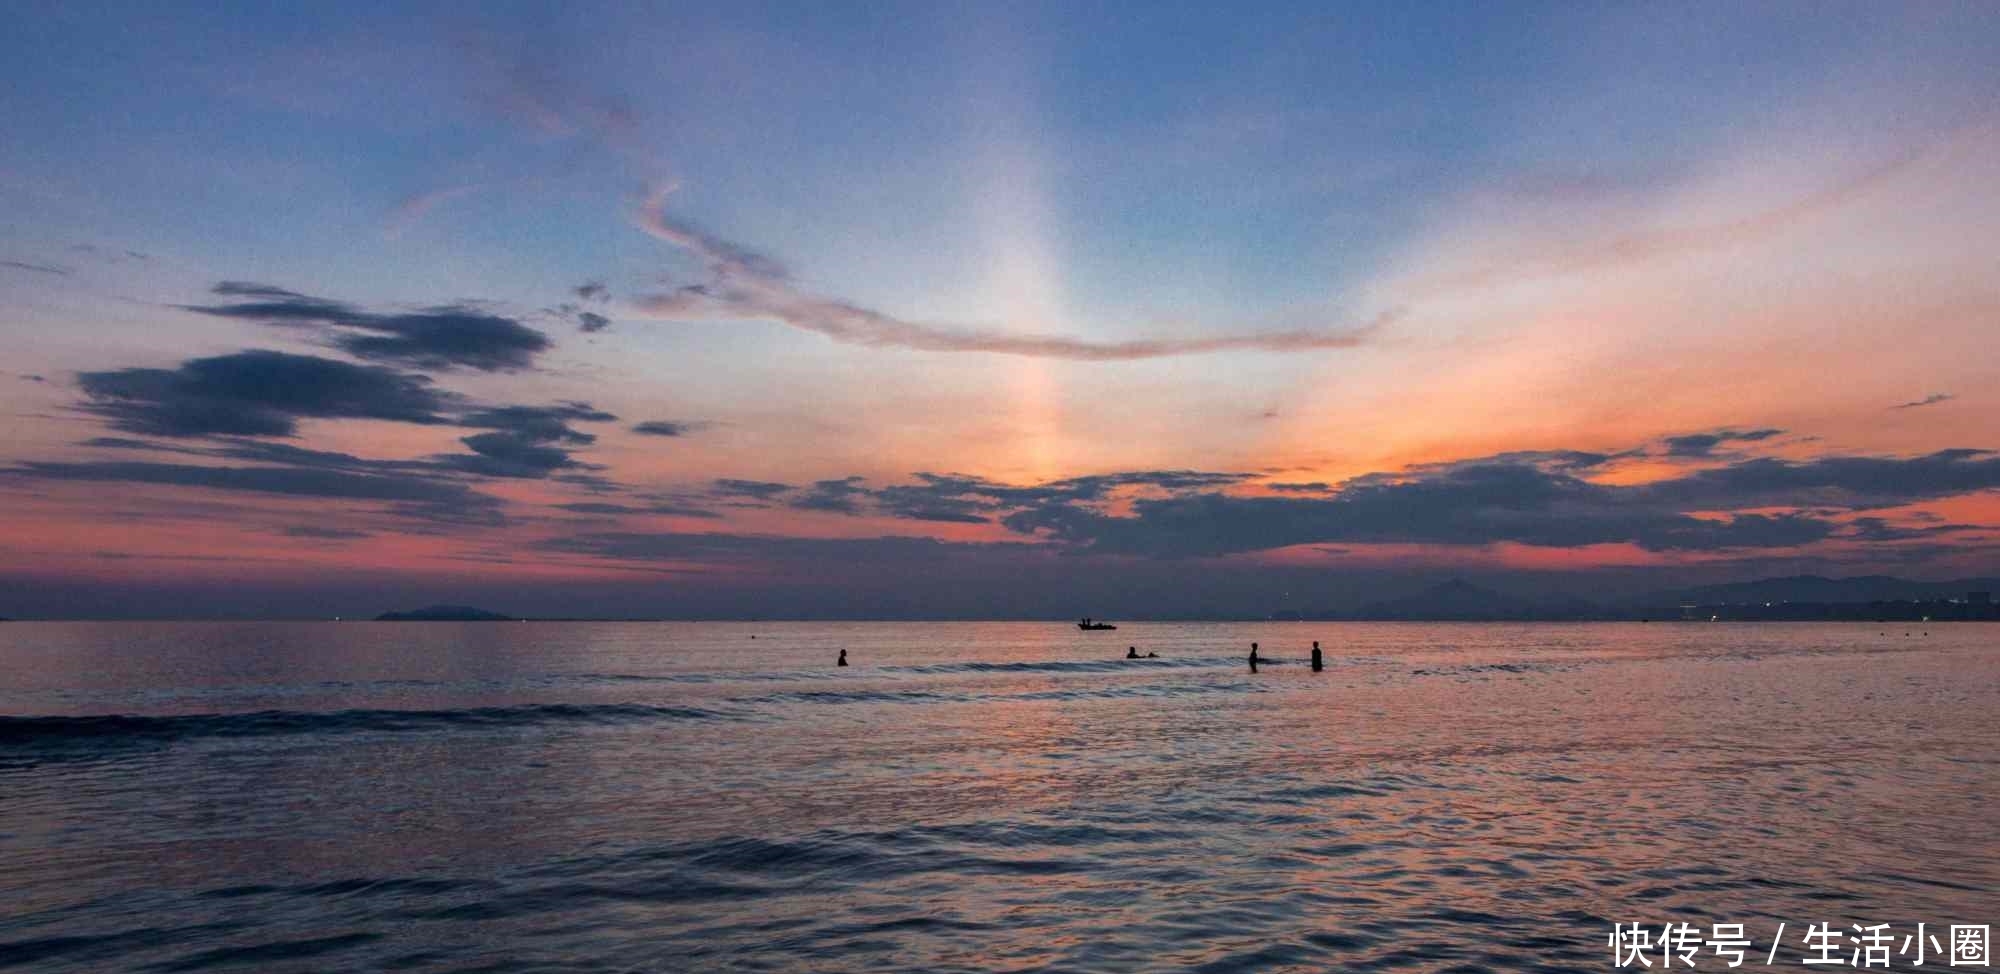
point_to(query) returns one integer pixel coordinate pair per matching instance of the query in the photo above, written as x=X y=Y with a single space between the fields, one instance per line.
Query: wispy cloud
x=21 y=265
x=414 y=208
x=1930 y=400
x=747 y=284
x=1642 y=245
x=109 y=255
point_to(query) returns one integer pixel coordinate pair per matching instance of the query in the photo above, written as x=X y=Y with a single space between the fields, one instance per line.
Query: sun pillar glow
x=1022 y=289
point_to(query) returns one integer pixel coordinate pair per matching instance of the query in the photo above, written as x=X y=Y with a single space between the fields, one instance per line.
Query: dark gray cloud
x=957 y=498
x=587 y=321
x=1313 y=487
x=438 y=337
x=1850 y=483
x=589 y=482
x=1880 y=529
x=755 y=491
x=842 y=496
x=951 y=498
x=285 y=454
x=1930 y=400
x=654 y=507
x=600 y=507
x=1518 y=499
x=663 y=427
x=134 y=556
x=259 y=393
x=1704 y=444
x=719 y=547
x=541 y=424
x=682 y=510
x=277 y=454
x=323 y=534
x=124 y=443
x=521 y=443
x=513 y=455
x=446 y=517
x=225 y=408
x=292 y=481
x=936 y=499
x=21 y=265
x=1555 y=460
x=526 y=441
x=587 y=294
x=1469 y=504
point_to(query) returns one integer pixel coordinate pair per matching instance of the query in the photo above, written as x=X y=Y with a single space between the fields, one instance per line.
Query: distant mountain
x=444 y=613
x=1796 y=597
x=1459 y=599
x=1817 y=588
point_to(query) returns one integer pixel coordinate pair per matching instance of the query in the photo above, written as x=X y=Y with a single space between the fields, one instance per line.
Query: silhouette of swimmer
x=1318 y=664
x=1253 y=657
x=1132 y=652
x=1151 y=655
x=843 y=658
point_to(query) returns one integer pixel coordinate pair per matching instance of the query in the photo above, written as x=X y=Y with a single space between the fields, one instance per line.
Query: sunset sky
x=990 y=310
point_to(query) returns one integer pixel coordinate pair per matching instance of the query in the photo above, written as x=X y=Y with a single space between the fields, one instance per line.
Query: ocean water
x=979 y=797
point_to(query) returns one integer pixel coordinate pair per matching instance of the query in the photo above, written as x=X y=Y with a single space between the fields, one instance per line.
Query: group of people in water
x=1318 y=660
x=1132 y=652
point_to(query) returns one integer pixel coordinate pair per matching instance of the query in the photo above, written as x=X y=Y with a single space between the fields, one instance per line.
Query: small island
x=444 y=613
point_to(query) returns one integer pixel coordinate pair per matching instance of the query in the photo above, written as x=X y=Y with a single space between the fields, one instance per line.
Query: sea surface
x=494 y=797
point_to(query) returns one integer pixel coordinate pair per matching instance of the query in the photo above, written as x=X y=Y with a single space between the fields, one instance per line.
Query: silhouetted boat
x=1088 y=625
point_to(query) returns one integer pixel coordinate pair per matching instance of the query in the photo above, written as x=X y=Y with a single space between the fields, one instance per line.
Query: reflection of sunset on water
x=993 y=795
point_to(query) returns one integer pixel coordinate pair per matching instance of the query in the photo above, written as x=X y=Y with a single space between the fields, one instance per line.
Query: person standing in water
x=1318 y=663
x=1131 y=652
x=843 y=658
x=1253 y=657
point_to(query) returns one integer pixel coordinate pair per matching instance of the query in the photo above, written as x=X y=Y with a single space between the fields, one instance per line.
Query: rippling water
x=991 y=797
